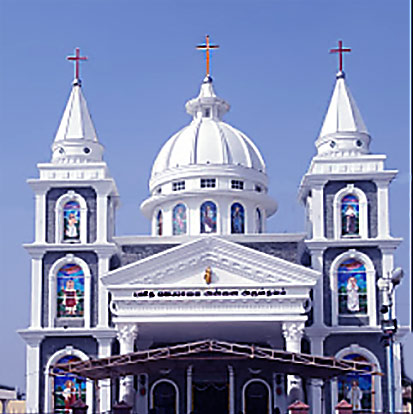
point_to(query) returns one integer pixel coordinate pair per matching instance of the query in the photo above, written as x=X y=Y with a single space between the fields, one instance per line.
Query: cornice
x=37 y=250
x=323 y=244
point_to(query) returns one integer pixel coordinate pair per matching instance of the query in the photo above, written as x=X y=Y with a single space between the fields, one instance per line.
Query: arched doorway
x=257 y=397
x=164 y=397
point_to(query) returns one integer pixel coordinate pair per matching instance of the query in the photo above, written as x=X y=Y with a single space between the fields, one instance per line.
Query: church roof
x=343 y=131
x=76 y=139
x=207 y=140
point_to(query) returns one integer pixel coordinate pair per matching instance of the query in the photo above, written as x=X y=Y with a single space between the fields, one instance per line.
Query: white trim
x=370 y=282
x=48 y=380
x=59 y=222
x=151 y=403
x=350 y=189
x=52 y=277
x=244 y=388
x=357 y=349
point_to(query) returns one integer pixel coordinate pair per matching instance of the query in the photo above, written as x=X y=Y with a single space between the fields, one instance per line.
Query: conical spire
x=76 y=139
x=343 y=132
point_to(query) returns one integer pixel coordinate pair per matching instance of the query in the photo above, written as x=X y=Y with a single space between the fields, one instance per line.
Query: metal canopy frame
x=304 y=365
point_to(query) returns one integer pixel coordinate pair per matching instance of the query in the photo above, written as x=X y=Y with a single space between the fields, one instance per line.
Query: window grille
x=237 y=184
x=178 y=185
x=208 y=182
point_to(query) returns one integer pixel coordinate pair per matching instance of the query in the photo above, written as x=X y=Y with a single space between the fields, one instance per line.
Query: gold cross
x=207 y=47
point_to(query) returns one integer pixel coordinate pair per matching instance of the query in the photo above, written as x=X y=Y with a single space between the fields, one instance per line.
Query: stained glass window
x=71 y=220
x=67 y=388
x=356 y=388
x=179 y=219
x=159 y=223
x=208 y=217
x=352 y=288
x=237 y=218
x=70 y=291
x=350 y=215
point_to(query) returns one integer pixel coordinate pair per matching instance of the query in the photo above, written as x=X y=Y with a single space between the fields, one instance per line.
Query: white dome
x=207 y=140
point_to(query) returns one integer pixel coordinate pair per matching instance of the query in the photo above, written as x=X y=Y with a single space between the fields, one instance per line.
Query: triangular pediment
x=231 y=264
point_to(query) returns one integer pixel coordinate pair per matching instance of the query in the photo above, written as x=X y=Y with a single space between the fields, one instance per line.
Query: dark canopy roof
x=305 y=365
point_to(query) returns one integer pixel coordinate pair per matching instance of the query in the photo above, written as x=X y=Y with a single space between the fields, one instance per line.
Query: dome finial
x=77 y=58
x=340 y=50
x=207 y=47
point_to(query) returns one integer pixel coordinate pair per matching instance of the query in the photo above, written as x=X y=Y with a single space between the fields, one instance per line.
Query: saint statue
x=355 y=395
x=352 y=295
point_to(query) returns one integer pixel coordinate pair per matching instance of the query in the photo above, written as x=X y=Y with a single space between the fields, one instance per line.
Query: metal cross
x=340 y=50
x=77 y=60
x=207 y=47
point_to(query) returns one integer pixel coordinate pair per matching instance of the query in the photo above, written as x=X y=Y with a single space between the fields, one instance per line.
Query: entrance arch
x=256 y=397
x=164 y=397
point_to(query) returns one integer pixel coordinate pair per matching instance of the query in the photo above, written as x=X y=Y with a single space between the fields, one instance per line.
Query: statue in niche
x=355 y=395
x=70 y=298
x=71 y=215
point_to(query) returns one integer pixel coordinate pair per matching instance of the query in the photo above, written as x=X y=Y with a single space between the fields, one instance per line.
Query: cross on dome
x=77 y=58
x=207 y=47
x=340 y=50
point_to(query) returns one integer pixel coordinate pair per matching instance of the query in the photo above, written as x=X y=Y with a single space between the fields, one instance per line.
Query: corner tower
x=75 y=202
x=346 y=196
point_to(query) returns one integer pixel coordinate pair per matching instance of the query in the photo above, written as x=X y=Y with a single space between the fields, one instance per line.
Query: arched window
x=159 y=223
x=353 y=289
x=208 y=217
x=257 y=397
x=67 y=388
x=350 y=215
x=55 y=386
x=71 y=221
x=237 y=218
x=165 y=397
x=258 y=221
x=357 y=388
x=71 y=218
x=70 y=293
x=179 y=219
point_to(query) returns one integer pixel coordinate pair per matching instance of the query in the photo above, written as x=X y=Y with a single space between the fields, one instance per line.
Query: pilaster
x=36 y=288
x=317 y=209
x=189 y=389
x=383 y=228
x=32 y=373
x=126 y=336
x=104 y=350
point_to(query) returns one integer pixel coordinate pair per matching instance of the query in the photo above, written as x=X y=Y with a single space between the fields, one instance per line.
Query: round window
x=359 y=143
x=332 y=144
x=86 y=150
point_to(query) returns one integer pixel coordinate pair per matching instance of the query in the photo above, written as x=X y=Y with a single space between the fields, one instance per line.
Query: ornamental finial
x=207 y=47
x=77 y=58
x=340 y=50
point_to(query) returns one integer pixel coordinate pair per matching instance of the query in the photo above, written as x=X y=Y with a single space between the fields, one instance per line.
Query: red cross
x=77 y=59
x=207 y=47
x=340 y=50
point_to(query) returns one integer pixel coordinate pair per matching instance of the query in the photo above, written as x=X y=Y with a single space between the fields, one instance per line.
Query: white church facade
x=209 y=269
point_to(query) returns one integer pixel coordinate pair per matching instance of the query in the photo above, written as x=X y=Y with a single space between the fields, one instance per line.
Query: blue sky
x=273 y=67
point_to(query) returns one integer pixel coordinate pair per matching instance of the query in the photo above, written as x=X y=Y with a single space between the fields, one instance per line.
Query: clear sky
x=273 y=67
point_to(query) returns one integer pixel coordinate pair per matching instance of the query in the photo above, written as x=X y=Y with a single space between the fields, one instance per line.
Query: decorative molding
x=293 y=331
x=126 y=334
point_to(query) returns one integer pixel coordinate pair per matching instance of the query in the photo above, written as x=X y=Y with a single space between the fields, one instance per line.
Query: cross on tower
x=77 y=60
x=340 y=50
x=207 y=47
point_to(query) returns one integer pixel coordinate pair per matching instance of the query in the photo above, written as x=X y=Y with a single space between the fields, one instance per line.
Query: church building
x=209 y=269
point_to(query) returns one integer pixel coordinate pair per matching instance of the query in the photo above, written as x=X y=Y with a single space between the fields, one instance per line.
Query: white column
x=316 y=396
x=32 y=374
x=102 y=218
x=104 y=350
x=189 y=389
x=40 y=222
x=231 y=390
x=397 y=377
x=318 y=297
x=317 y=209
x=383 y=229
x=103 y=314
x=37 y=288
x=126 y=335
x=293 y=332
